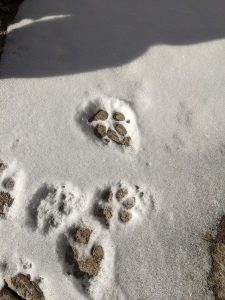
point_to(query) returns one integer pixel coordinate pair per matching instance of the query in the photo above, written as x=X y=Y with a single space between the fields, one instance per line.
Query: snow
x=161 y=63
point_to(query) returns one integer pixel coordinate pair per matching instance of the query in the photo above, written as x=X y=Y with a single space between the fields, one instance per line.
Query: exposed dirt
x=124 y=216
x=126 y=141
x=118 y=116
x=5 y=202
x=105 y=212
x=21 y=287
x=7 y=294
x=100 y=130
x=112 y=135
x=101 y=115
x=121 y=129
x=88 y=266
x=83 y=235
x=106 y=131
x=121 y=193
x=216 y=278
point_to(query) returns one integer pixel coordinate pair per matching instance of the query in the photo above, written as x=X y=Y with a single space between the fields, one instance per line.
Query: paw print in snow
x=87 y=262
x=112 y=120
x=117 y=132
x=87 y=253
x=56 y=207
x=121 y=204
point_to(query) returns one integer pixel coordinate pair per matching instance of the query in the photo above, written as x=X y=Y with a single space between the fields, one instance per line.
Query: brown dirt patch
x=124 y=216
x=105 y=212
x=118 y=116
x=216 y=277
x=121 y=193
x=91 y=265
x=21 y=287
x=101 y=115
x=5 y=202
x=82 y=235
x=121 y=129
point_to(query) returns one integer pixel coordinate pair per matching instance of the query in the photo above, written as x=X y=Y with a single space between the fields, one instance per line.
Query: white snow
x=162 y=63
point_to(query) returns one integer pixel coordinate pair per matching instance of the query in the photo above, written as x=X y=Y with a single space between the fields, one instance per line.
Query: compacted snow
x=161 y=64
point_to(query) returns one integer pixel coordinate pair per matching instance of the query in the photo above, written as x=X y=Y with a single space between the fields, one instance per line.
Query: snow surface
x=163 y=63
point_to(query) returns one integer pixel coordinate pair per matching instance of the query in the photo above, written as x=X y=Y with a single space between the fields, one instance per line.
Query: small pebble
x=118 y=116
x=121 y=129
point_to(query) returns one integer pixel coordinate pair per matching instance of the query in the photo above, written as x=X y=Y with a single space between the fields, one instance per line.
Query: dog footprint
x=87 y=255
x=122 y=204
x=112 y=121
x=86 y=265
x=53 y=206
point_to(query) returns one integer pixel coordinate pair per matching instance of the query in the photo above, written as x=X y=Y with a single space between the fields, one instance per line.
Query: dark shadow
x=105 y=33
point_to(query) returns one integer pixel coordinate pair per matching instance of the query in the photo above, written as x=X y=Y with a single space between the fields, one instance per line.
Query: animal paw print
x=112 y=120
x=58 y=204
x=120 y=204
x=87 y=258
x=110 y=128
x=21 y=287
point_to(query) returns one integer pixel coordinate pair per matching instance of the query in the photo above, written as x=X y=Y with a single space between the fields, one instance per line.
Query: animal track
x=86 y=265
x=52 y=205
x=121 y=204
x=112 y=121
x=87 y=254
x=114 y=131
x=90 y=250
